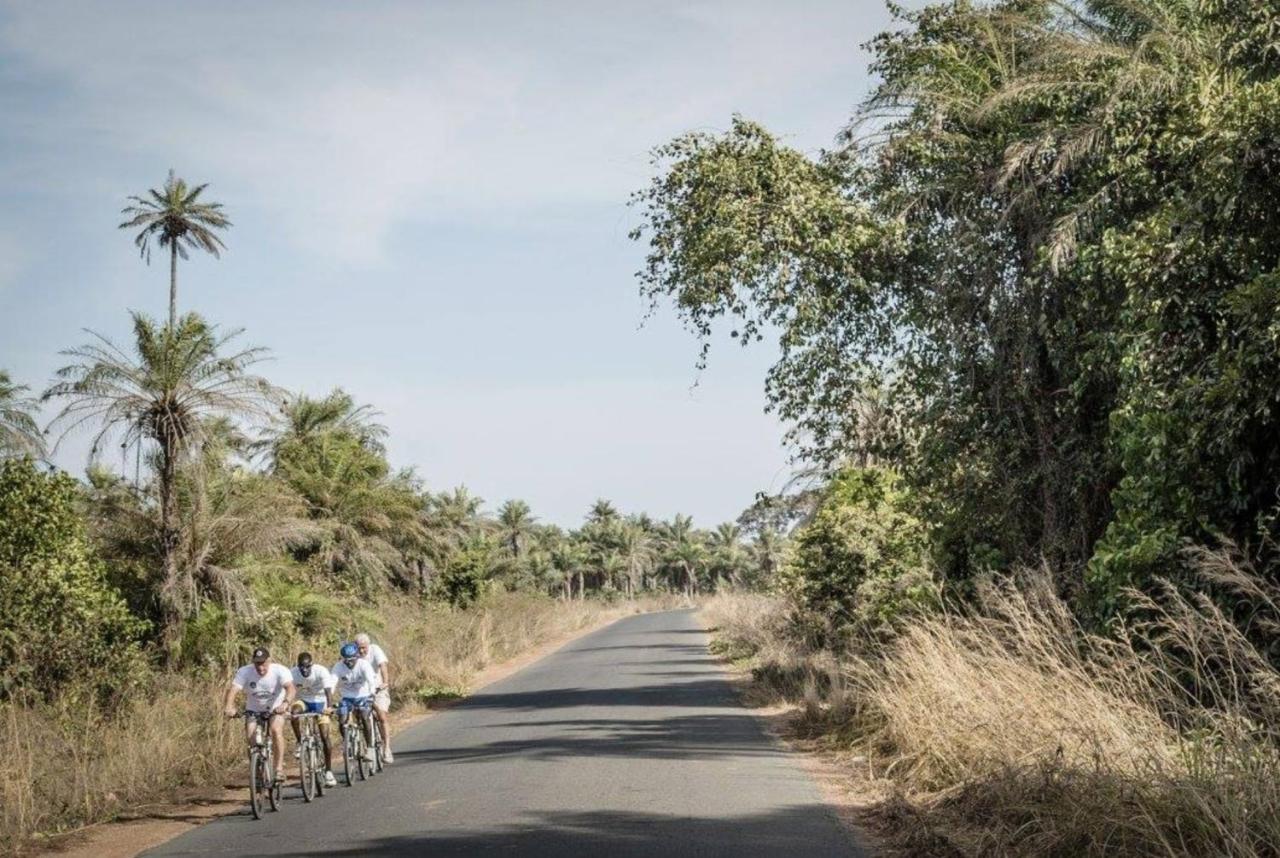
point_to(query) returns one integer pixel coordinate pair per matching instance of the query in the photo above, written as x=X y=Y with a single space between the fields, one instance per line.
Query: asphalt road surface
x=627 y=742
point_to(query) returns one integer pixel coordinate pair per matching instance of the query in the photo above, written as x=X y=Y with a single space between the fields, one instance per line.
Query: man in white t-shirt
x=315 y=686
x=268 y=690
x=377 y=659
x=356 y=683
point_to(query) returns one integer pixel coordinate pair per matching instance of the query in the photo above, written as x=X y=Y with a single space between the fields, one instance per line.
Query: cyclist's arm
x=229 y=702
x=290 y=692
x=384 y=674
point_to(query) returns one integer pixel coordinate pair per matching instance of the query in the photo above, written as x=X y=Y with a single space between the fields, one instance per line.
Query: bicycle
x=262 y=778
x=354 y=743
x=310 y=756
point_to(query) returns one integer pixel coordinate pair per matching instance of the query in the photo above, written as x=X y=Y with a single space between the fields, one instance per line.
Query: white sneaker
x=297 y=753
x=367 y=756
x=387 y=758
x=330 y=780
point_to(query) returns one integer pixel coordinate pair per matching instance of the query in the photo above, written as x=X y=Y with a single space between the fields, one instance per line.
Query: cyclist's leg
x=250 y=730
x=381 y=705
x=322 y=727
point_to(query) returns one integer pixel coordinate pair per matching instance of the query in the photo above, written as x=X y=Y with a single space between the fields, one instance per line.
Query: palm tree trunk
x=173 y=285
x=582 y=586
x=172 y=609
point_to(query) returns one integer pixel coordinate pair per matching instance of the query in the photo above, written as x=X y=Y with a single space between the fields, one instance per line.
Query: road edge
x=824 y=770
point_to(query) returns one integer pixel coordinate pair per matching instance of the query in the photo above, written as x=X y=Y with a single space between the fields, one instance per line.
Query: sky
x=430 y=211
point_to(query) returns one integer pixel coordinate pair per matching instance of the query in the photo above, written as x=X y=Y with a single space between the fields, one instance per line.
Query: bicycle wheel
x=349 y=753
x=273 y=777
x=306 y=768
x=317 y=768
x=362 y=765
x=377 y=748
x=255 y=782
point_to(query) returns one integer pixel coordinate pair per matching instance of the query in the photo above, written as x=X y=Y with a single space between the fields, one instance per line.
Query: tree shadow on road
x=796 y=831
x=697 y=737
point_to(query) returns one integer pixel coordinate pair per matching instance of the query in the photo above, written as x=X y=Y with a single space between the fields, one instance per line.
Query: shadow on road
x=699 y=737
x=789 y=832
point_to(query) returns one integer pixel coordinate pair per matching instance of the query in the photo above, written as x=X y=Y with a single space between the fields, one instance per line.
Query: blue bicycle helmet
x=350 y=650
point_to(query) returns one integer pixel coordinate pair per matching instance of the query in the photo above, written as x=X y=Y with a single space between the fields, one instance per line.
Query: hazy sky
x=429 y=207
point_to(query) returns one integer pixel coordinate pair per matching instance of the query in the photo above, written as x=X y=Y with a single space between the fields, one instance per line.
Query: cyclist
x=377 y=659
x=315 y=694
x=356 y=683
x=268 y=688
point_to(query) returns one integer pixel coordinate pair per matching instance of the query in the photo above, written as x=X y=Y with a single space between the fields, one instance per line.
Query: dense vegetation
x=1030 y=355
x=1037 y=278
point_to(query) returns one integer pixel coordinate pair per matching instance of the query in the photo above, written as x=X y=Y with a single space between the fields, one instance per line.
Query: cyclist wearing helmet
x=315 y=694
x=377 y=659
x=356 y=683
x=268 y=688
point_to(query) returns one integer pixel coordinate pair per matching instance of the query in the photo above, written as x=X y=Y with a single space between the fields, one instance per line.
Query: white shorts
x=382 y=699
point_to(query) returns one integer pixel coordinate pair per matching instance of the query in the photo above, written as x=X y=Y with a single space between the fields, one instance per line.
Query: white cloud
x=339 y=122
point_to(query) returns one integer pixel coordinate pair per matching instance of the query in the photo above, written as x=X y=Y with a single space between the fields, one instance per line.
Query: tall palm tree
x=175 y=217
x=683 y=551
x=728 y=556
x=602 y=512
x=303 y=417
x=767 y=553
x=636 y=548
x=612 y=570
x=515 y=527
x=567 y=558
x=164 y=394
x=19 y=434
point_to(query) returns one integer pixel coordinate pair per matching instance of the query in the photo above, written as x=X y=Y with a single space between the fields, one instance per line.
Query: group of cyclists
x=359 y=682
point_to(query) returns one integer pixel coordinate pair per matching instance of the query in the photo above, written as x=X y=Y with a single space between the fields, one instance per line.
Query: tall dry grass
x=1010 y=730
x=68 y=764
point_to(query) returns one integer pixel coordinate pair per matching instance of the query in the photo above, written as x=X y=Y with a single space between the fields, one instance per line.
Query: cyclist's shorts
x=312 y=705
x=349 y=703
x=382 y=699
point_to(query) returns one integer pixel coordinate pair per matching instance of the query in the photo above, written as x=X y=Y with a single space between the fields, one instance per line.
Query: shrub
x=58 y=615
x=864 y=556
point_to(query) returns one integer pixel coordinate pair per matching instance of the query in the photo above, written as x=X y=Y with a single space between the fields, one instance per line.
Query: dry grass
x=70 y=764
x=1012 y=731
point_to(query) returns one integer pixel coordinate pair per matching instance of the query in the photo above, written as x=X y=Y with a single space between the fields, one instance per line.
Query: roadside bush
x=863 y=559
x=59 y=618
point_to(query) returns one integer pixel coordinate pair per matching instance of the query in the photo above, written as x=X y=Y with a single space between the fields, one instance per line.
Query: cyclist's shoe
x=297 y=753
x=367 y=756
x=330 y=780
x=387 y=758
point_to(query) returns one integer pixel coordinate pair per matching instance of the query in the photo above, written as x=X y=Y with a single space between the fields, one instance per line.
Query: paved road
x=627 y=742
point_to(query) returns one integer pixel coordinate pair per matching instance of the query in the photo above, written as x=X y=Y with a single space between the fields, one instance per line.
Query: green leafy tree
x=59 y=618
x=864 y=556
x=175 y=217
x=1037 y=276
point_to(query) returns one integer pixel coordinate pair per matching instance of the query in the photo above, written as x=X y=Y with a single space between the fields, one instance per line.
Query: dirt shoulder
x=146 y=827
x=844 y=779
